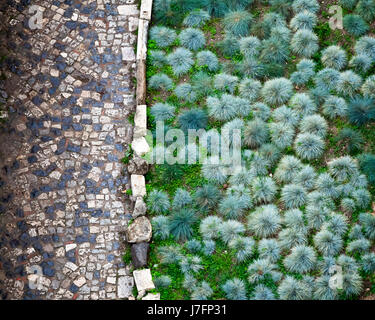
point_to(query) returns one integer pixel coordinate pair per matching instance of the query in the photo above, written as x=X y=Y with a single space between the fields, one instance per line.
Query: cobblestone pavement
x=68 y=89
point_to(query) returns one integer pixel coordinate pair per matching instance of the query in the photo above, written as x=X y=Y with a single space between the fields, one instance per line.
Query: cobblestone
x=68 y=93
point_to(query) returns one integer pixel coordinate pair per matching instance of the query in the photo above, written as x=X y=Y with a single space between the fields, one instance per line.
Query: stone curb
x=139 y=232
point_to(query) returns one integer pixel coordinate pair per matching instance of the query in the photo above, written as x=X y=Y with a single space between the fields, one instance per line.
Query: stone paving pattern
x=68 y=90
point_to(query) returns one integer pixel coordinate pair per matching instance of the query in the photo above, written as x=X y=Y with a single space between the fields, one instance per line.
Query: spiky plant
x=158 y=201
x=265 y=221
x=255 y=133
x=343 y=168
x=160 y=81
x=365 y=45
x=243 y=248
x=362 y=198
x=352 y=284
x=274 y=50
x=359 y=246
x=180 y=60
x=361 y=110
x=208 y=247
x=190 y=282
x=309 y=5
x=162 y=111
x=337 y=223
x=323 y=290
x=294 y=219
x=293 y=289
x=225 y=82
x=242 y=177
x=286 y=116
x=260 y=111
x=277 y=91
x=283 y=7
x=259 y=166
x=221 y=109
x=303 y=20
x=355 y=25
x=232 y=207
x=304 y=43
x=303 y=104
x=193 y=245
x=234 y=289
x=366 y=9
x=261 y=292
x=326 y=185
x=238 y=22
x=281 y=135
x=193 y=119
x=335 y=107
x=162 y=11
x=157 y=58
x=169 y=254
x=162 y=36
x=227 y=131
x=367 y=165
x=328 y=243
x=348 y=4
x=263 y=189
x=181 y=223
x=213 y=171
x=208 y=59
x=269 y=249
x=185 y=92
x=368 y=87
x=334 y=57
x=368 y=263
x=160 y=227
x=348 y=83
x=207 y=197
x=306 y=178
x=250 y=46
x=291 y=237
x=250 y=67
x=348 y=264
x=192 y=38
x=262 y=269
x=302 y=259
x=305 y=71
x=190 y=264
x=202 y=292
x=181 y=199
x=209 y=227
x=250 y=89
x=347 y=205
x=270 y=153
x=356 y=232
x=293 y=196
x=270 y=20
x=327 y=78
x=288 y=168
x=325 y=265
x=196 y=18
x=162 y=282
x=309 y=146
x=230 y=229
x=229 y=46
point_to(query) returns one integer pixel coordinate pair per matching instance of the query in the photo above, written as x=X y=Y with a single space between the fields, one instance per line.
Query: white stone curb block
x=143 y=280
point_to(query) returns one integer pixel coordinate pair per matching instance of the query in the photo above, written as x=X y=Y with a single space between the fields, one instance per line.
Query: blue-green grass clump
x=229 y=46
x=193 y=245
x=334 y=57
x=162 y=281
x=322 y=289
x=261 y=292
x=303 y=20
x=361 y=63
x=326 y=185
x=229 y=230
x=250 y=67
x=208 y=59
x=288 y=168
x=293 y=196
x=327 y=243
x=348 y=83
x=209 y=227
x=368 y=87
x=160 y=227
x=335 y=107
x=286 y=116
x=181 y=199
x=238 y=22
x=162 y=36
x=160 y=81
x=365 y=45
x=243 y=248
x=303 y=104
x=306 y=178
x=362 y=198
x=367 y=165
x=309 y=5
x=192 y=38
x=181 y=224
x=327 y=79
x=293 y=218
x=361 y=110
x=343 y=168
x=202 y=292
x=196 y=18
x=158 y=201
x=202 y=84
x=260 y=110
x=309 y=146
x=269 y=249
x=355 y=25
x=293 y=289
x=255 y=133
x=337 y=223
x=225 y=82
x=262 y=269
x=250 y=89
x=213 y=171
x=185 y=91
x=277 y=91
x=270 y=153
x=250 y=46
x=265 y=221
x=314 y=124
x=181 y=61
x=169 y=254
x=359 y=246
x=291 y=237
x=274 y=51
x=302 y=259
x=162 y=111
x=368 y=263
x=348 y=4
x=366 y=9
x=193 y=119
x=281 y=135
x=263 y=189
x=234 y=289
x=232 y=207
x=304 y=43
x=207 y=197
x=190 y=264
x=158 y=58
x=305 y=71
